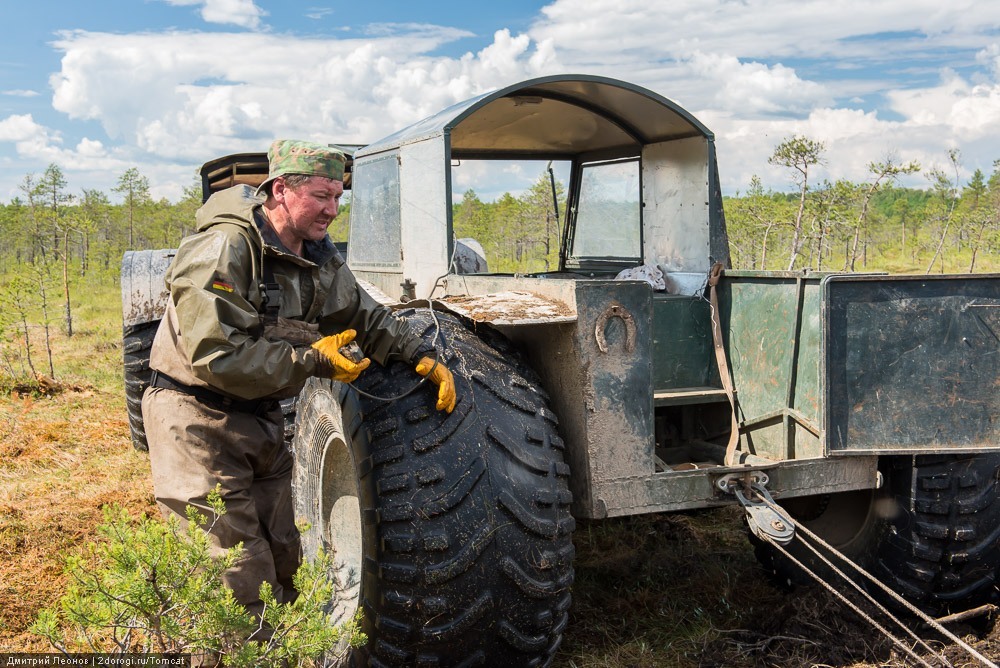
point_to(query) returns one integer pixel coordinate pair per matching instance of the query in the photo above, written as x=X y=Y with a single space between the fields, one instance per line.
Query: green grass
x=91 y=357
x=674 y=590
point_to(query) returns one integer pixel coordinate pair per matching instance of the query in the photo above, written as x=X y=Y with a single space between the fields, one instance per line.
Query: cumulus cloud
x=43 y=144
x=20 y=128
x=754 y=87
x=243 y=13
x=957 y=108
x=191 y=95
x=169 y=101
x=755 y=71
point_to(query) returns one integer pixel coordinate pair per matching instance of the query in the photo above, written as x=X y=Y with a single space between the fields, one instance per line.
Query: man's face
x=309 y=207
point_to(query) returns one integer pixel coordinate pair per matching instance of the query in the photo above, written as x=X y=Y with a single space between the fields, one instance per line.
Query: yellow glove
x=333 y=364
x=441 y=377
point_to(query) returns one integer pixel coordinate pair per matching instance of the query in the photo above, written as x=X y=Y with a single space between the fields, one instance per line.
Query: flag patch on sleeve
x=222 y=285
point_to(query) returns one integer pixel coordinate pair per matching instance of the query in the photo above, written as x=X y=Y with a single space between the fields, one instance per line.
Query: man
x=211 y=413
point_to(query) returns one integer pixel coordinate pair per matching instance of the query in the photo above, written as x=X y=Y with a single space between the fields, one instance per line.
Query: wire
x=437 y=333
x=416 y=386
x=801 y=530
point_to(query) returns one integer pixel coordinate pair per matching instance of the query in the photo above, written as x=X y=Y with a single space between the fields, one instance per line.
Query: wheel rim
x=839 y=519
x=340 y=511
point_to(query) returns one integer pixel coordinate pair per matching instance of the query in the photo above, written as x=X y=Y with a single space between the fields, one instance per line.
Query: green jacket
x=211 y=334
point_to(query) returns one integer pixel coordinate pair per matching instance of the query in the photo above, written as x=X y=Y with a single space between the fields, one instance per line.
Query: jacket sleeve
x=209 y=284
x=381 y=335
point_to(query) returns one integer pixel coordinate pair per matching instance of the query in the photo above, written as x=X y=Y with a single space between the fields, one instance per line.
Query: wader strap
x=269 y=289
x=257 y=407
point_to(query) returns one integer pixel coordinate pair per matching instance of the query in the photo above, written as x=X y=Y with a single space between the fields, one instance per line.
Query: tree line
x=873 y=225
x=58 y=241
x=58 y=244
x=49 y=222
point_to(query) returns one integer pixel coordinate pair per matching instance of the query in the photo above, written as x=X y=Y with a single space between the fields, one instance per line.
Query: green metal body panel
x=771 y=328
x=683 y=354
x=912 y=363
x=607 y=413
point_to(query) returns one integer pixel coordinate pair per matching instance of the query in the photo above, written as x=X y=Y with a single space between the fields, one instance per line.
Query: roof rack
x=251 y=169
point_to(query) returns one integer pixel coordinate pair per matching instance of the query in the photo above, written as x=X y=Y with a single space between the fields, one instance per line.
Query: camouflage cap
x=290 y=156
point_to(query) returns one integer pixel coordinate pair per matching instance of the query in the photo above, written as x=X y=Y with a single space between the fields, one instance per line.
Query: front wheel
x=932 y=533
x=452 y=533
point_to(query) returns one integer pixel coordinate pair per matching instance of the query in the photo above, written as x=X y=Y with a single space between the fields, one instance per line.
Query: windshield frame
x=599 y=263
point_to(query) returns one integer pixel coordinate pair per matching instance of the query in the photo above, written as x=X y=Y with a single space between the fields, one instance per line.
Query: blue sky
x=163 y=85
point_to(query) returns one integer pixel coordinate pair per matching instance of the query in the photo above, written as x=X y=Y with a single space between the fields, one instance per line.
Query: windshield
x=608 y=220
x=507 y=209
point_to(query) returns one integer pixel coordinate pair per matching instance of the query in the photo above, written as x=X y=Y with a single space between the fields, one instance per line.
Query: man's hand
x=332 y=364
x=441 y=377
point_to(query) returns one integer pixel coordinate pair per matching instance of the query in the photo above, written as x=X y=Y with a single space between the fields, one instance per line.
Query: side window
x=608 y=214
x=375 y=222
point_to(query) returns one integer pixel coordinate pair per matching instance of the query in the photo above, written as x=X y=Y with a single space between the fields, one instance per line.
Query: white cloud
x=852 y=140
x=756 y=29
x=753 y=87
x=90 y=164
x=38 y=146
x=33 y=141
x=169 y=101
x=191 y=95
x=968 y=111
x=932 y=105
x=44 y=145
x=243 y=13
x=317 y=13
x=990 y=56
x=91 y=148
x=21 y=93
x=19 y=128
x=738 y=66
x=755 y=71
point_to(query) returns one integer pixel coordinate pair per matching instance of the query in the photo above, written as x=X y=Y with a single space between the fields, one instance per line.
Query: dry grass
x=685 y=591
x=678 y=590
x=61 y=459
x=64 y=453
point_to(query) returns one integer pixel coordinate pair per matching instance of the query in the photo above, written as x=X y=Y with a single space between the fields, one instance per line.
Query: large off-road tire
x=451 y=532
x=136 y=342
x=932 y=533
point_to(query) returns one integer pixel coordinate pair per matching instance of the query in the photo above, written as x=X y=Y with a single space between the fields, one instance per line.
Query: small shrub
x=149 y=587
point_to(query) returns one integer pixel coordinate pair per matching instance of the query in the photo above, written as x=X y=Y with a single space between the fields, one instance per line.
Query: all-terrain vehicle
x=866 y=405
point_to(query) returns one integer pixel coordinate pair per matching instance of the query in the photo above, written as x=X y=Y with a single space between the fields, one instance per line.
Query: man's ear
x=278 y=189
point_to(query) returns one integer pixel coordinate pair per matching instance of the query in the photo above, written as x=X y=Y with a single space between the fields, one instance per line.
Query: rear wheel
x=136 y=342
x=451 y=532
x=932 y=533
x=854 y=523
x=943 y=548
